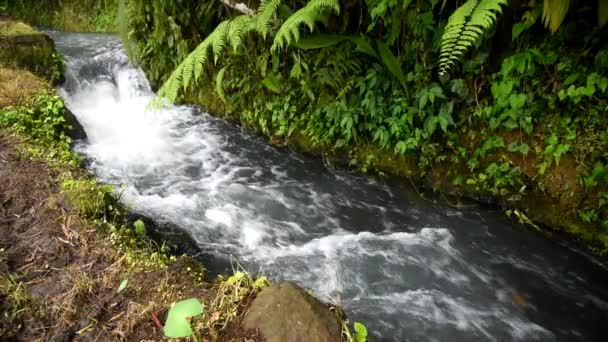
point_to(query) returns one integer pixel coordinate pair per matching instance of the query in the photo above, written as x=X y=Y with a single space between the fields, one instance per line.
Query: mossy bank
x=73 y=266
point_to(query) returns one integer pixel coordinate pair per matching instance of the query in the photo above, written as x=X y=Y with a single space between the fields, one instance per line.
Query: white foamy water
x=409 y=269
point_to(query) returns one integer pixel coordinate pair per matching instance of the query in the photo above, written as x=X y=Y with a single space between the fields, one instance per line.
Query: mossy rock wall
x=31 y=50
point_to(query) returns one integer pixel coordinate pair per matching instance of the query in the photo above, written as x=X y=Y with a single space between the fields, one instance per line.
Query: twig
x=156 y=321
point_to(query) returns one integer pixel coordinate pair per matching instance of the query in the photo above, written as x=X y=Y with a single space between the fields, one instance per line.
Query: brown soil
x=59 y=275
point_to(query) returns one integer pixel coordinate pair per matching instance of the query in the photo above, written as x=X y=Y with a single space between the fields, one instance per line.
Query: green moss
x=31 y=50
x=12 y=28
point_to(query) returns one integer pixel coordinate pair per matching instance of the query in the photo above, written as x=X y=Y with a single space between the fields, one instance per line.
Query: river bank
x=522 y=125
x=73 y=265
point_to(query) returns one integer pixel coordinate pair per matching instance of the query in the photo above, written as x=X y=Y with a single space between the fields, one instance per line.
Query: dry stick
x=156 y=321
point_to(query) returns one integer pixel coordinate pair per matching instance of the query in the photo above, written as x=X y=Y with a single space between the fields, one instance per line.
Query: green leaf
x=517 y=29
x=360 y=332
x=219 y=80
x=391 y=62
x=236 y=277
x=318 y=41
x=271 y=82
x=430 y=124
x=122 y=285
x=261 y=282
x=178 y=324
x=364 y=46
x=571 y=79
x=140 y=228
x=602 y=12
x=518 y=146
x=517 y=101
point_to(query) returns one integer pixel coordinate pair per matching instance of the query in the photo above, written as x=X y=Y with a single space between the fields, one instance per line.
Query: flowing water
x=411 y=269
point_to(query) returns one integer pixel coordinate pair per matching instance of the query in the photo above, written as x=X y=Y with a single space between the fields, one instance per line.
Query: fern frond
x=228 y=32
x=239 y=27
x=220 y=35
x=554 y=12
x=200 y=55
x=289 y=32
x=265 y=14
x=170 y=89
x=465 y=28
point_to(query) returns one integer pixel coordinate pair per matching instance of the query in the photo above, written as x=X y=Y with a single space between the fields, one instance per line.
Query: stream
x=411 y=269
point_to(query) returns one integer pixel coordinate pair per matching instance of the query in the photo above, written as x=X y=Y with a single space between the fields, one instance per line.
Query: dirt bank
x=59 y=274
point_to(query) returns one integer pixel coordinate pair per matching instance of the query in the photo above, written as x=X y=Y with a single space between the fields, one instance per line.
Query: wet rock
x=76 y=132
x=176 y=239
x=284 y=312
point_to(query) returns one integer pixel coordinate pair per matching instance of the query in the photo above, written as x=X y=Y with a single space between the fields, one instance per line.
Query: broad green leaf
x=517 y=101
x=318 y=41
x=517 y=29
x=430 y=124
x=391 y=62
x=271 y=82
x=178 y=324
x=571 y=79
x=360 y=332
x=364 y=46
x=122 y=285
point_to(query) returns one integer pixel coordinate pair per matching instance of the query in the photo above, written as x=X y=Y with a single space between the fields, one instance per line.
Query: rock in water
x=284 y=312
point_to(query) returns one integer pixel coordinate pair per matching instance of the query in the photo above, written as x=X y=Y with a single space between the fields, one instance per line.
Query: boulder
x=284 y=312
x=29 y=49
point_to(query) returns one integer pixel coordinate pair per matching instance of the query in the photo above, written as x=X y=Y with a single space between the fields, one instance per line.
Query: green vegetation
x=178 y=318
x=479 y=98
x=15 y=28
x=66 y=15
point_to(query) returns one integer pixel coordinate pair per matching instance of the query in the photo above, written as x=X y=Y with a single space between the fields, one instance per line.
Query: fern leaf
x=391 y=62
x=239 y=26
x=201 y=54
x=219 y=80
x=554 y=12
x=465 y=28
x=289 y=32
x=265 y=14
x=171 y=87
x=187 y=73
x=219 y=40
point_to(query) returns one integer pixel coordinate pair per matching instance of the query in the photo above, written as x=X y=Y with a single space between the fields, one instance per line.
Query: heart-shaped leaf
x=178 y=319
x=360 y=332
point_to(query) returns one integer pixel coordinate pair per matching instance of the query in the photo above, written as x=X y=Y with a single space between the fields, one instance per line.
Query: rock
x=31 y=50
x=284 y=312
x=76 y=132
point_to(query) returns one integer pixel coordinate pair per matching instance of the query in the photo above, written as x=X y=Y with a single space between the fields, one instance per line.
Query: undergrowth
x=521 y=117
x=66 y=15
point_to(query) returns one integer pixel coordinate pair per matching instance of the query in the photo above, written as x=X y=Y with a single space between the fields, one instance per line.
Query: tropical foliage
x=477 y=95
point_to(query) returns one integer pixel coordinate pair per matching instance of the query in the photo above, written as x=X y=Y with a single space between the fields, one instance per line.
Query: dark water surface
x=411 y=269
